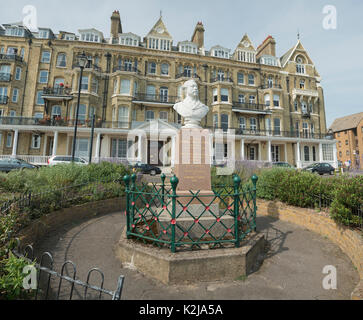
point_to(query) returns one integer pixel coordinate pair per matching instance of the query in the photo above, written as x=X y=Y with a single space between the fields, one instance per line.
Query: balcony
x=187 y=74
x=154 y=98
x=57 y=93
x=89 y=66
x=126 y=69
x=5 y=77
x=250 y=108
x=221 y=79
x=271 y=86
x=10 y=57
x=4 y=100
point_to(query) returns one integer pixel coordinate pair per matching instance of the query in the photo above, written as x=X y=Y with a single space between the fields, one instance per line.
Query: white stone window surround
x=246 y=56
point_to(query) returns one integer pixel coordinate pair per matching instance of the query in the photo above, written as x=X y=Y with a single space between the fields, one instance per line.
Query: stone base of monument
x=192 y=266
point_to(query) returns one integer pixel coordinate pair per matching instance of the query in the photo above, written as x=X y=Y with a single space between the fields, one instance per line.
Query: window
x=270 y=82
x=12 y=113
x=163 y=115
x=224 y=121
x=277 y=126
x=241 y=98
x=251 y=79
x=215 y=120
x=61 y=60
x=302 y=84
x=180 y=95
x=38 y=115
x=328 y=154
x=123 y=117
x=115 y=86
x=164 y=69
x=276 y=100
x=18 y=73
x=128 y=65
x=340 y=154
x=295 y=105
x=150 y=92
x=220 y=76
x=242 y=123
x=224 y=94
x=56 y=112
x=310 y=107
x=304 y=108
x=82 y=113
x=300 y=68
x=314 y=153
x=43 y=76
x=275 y=152
x=346 y=142
x=45 y=57
x=306 y=153
x=15 y=95
x=91 y=112
x=43 y=34
x=152 y=68
x=267 y=100
x=187 y=71
x=253 y=124
x=125 y=87
x=35 y=141
x=150 y=115
x=215 y=95
x=84 y=83
x=252 y=99
x=94 y=87
x=40 y=100
x=58 y=82
x=136 y=88
x=164 y=94
x=240 y=78
x=119 y=148
x=9 y=140
x=305 y=130
x=268 y=126
x=347 y=153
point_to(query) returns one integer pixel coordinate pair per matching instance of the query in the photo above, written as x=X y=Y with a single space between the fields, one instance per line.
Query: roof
x=348 y=122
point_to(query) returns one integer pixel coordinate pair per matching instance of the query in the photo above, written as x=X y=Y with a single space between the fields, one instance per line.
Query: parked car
x=283 y=165
x=10 y=164
x=147 y=168
x=66 y=159
x=320 y=168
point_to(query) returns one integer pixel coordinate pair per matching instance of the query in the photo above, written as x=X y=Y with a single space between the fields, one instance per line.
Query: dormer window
x=91 y=36
x=220 y=52
x=159 y=44
x=269 y=60
x=129 y=39
x=188 y=47
x=14 y=31
x=43 y=34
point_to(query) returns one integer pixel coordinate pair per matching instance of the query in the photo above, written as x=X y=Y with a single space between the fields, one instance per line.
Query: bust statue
x=191 y=109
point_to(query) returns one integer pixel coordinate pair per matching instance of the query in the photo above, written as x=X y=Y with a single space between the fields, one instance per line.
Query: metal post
x=92 y=133
x=254 y=189
x=132 y=190
x=77 y=111
x=174 y=183
x=163 y=176
x=127 y=191
x=237 y=183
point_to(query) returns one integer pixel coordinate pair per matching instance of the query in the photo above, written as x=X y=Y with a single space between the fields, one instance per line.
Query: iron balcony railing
x=221 y=79
x=11 y=57
x=89 y=66
x=271 y=86
x=249 y=106
x=126 y=69
x=57 y=91
x=5 y=77
x=4 y=100
x=159 y=98
x=187 y=74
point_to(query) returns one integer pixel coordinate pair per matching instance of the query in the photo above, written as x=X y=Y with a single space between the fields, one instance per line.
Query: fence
x=51 y=285
x=158 y=214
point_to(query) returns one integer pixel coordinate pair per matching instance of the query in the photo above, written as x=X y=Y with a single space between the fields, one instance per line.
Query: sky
x=335 y=52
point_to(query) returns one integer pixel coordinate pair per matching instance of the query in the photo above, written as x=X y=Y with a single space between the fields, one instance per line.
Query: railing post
x=236 y=183
x=254 y=190
x=163 y=177
x=127 y=191
x=174 y=183
x=133 y=202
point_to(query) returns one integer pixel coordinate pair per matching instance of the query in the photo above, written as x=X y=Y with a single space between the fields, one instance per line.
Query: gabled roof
x=246 y=44
x=159 y=30
x=346 y=123
x=298 y=47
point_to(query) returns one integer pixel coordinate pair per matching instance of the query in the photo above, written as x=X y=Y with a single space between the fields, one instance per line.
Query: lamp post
x=82 y=61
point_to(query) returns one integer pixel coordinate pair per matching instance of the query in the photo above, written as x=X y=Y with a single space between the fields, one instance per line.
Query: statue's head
x=191 y=89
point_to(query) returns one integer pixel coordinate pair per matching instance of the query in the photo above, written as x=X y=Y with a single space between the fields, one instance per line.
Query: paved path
x=292 y=268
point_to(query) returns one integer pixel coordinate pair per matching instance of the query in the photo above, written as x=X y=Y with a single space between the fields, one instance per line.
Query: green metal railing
x=157 y=214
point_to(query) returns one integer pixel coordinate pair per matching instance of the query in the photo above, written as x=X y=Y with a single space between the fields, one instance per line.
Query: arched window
x=62 y=60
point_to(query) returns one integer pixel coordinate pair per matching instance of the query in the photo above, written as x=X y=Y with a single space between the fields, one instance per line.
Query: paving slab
x=292 y=269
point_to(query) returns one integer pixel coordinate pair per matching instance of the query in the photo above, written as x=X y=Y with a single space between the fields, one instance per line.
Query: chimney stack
x=116 y=27
x=198 y=35
x=268 y=47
